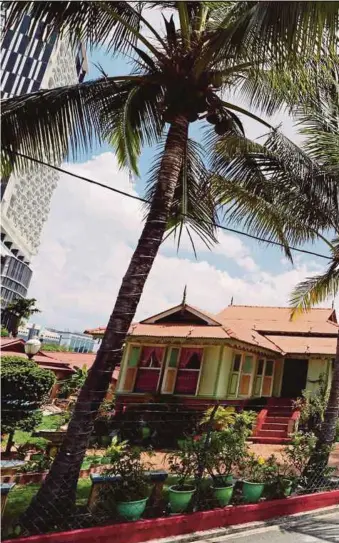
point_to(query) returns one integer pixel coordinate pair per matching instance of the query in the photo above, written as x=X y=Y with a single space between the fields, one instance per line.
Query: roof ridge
x=277 y=307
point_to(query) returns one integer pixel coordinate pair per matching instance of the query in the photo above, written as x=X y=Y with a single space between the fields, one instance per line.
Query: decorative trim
x=173 y=310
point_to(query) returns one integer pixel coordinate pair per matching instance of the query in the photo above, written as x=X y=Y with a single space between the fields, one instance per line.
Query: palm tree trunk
x=54 y=503
x=328 y=427
x=327 y=432
x=10 y=442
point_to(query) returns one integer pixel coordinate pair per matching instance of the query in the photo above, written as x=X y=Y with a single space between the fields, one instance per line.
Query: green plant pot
x=252 y=492
x=223 y=494
x=221 y=481
x=180 y=499
x=145 y=432
x=132 y=510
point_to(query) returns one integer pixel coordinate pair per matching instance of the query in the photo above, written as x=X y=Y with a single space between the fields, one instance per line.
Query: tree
x=16 y=311
x=55 y=347
x=279 y=190
x=75 y=382
x=24 y=389
x=178 y=78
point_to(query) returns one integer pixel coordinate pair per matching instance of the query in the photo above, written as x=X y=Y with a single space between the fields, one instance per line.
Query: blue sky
x=90 y=236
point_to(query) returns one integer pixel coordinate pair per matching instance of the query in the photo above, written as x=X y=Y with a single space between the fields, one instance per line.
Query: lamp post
x=32 y=346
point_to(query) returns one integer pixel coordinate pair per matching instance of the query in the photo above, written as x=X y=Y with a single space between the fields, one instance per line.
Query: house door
x=294 y=377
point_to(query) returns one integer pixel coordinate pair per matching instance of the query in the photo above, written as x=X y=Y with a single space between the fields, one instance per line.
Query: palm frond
x=317 y=289
x=52 y=124
x=270 y=193
x=134 y=122
x=194 y=187
x=317 y=190
x=276 y=30
x=89 y=22
x=295 y=90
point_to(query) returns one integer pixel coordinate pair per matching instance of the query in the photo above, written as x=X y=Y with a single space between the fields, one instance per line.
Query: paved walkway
x=159 y=460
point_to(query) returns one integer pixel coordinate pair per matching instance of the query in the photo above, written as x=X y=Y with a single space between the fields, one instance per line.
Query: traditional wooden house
x=241 y=354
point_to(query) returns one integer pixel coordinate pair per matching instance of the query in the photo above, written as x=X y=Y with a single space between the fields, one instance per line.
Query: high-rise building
x=30 y=62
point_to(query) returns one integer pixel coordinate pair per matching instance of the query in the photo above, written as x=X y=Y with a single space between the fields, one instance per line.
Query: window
x=269 y=368
x=188 y=371
x=260 y=368
x=149 y=366
x=237 y=362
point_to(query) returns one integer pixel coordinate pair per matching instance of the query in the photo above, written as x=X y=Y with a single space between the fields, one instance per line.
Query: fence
x=149 y=460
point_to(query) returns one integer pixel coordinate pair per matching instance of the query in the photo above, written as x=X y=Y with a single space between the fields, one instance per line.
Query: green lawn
x=21 y=495
x=49 y=422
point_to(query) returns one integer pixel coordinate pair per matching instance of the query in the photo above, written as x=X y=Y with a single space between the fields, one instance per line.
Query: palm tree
x=178 y=78
x=18 y=310
x=310 y=292
x=280 y=191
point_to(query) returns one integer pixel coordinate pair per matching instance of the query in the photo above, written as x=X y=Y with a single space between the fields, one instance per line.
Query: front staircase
x=276 y=422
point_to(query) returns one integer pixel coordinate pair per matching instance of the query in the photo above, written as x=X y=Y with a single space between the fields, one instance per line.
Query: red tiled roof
x=258 y=326
x=43 y=361
x=305 y=345
x=78 y=360
x=95 y=331
x=273 y=315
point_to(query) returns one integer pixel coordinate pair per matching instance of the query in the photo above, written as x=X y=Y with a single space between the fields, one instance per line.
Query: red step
x=274 y=426
x=280 y=401
x=270 y=440
x=277 y=420
x=271 y=433
x=286 y=414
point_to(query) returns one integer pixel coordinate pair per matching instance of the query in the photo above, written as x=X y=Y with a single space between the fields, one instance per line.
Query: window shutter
x=171 y=372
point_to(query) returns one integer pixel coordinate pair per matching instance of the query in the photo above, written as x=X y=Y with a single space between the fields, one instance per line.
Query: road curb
x=247 y=527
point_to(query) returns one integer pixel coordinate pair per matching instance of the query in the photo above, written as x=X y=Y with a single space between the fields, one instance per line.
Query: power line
x=140 y=199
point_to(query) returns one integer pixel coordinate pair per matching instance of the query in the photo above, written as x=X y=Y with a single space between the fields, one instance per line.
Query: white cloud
x=89 y=240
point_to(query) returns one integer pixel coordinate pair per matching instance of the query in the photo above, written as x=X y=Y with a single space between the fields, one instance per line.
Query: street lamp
x=32 y=346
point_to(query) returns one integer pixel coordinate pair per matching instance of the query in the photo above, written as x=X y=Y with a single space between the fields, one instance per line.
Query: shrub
x=226 y=450
x=4 y=332
x=133 y=483
x=221 y=419
x=299 y=451
x=55 y=348
x=24 y=389
x=312 y=406
x=189 y=461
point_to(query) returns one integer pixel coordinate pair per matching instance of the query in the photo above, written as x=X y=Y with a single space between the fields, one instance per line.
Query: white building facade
x=30 y=63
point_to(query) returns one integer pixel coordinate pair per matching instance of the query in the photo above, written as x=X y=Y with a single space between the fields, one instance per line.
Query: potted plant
x=184 y=465
x=226 y=449
x=254 y=476
x=131 y=489
x=220 y=419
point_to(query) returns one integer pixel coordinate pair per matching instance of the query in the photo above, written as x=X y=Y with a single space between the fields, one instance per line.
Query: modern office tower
x=30 y=62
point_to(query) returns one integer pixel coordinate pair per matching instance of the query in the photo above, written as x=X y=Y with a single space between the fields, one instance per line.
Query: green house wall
x=209 y=371
x=317 y=367
x=216 y=372
x=221 y=389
